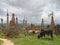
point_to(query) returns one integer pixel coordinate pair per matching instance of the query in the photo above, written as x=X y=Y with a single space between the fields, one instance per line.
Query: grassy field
x=33 y=40
x=1 y=36
x=0 y=42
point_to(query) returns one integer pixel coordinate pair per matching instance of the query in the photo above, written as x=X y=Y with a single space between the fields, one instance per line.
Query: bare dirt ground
x=6 y=42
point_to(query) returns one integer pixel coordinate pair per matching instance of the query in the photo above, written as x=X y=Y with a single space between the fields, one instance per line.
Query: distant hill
x=20 y=24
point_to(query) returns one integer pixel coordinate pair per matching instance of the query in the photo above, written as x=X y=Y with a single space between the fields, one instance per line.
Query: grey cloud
x=2 y=13
x=33 y=10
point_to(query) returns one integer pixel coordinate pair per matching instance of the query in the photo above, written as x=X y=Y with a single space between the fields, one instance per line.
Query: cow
x=46 y=32
x=29 y=32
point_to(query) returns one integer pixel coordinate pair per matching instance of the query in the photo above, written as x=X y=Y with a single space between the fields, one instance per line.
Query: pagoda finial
x=1 y=21
x=7 y=19
x=51 y=14
x=7 y=13
x=52 y=24
x=25 y=18
x=42 y=24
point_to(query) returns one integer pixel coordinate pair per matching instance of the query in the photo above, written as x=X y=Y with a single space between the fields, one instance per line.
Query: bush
x=1 y=35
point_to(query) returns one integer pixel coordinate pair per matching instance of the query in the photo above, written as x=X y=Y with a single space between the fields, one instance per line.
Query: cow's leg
x=38 y=36
x=51 y=36
x=44 y=35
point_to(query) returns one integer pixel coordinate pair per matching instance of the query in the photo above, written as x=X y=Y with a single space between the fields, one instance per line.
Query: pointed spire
x=51 y=14
x=24 y=23
x=42 y=24
x=7 y=13
x=1 y=22
x=13 y=18
x=25 y=17
x=52 y=22
x=16 y=21
x=1 y=25
x=7 y=18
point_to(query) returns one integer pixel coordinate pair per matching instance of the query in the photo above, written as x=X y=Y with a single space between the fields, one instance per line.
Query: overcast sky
x=33 y=10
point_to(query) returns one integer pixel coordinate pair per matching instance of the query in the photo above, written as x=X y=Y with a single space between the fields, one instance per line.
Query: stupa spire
x=1 y=22
x=42 y=24
x=13 y=18
x=7 y=19
x=16 y=21
x=52 y=25
x=24 y=23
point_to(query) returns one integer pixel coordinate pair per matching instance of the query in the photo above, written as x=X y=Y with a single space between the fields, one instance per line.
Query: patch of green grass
x=33 y=40
x=0 y=42
x=1 y=35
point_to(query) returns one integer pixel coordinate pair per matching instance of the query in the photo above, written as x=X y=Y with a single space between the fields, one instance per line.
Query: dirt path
x=7 y=42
